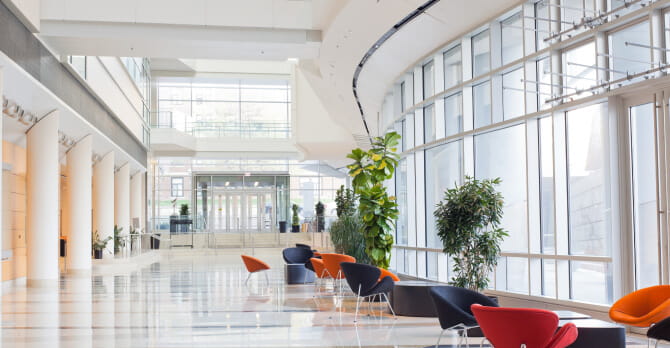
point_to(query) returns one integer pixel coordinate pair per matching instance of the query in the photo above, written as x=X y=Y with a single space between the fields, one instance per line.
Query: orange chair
x=319 y=269
x=255 y=265
x=332 y=264
x=387 y=273
x=642 y=308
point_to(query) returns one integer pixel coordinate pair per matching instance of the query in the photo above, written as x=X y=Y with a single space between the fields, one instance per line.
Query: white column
x=103 y=201
x=79 y=175
x=42 y=190
x=136 y=198
x=122 y=198
x=1 y=180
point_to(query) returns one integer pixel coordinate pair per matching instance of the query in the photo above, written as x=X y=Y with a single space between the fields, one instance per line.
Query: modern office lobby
x=335 y=173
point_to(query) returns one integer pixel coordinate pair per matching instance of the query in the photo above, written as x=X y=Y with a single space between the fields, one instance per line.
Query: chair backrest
x=360 y=277
x=641 y=302
x=319 y=268
x=387 y=273
x=300 y=245
x=253 y=264
x=512 y=327
x=332 y=263
x=453 y=305
x=297 y=255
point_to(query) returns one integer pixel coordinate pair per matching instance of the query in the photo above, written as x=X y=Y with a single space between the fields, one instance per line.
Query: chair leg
x=389 y=304
x=437 y=345
x=267 y=280
x=247 y=280
x=465 y=333
x=358 y=301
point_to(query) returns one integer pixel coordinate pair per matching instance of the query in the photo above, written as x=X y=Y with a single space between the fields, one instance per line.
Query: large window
x=453 y=68
x=512 y=38
x=580 y=69
x=429 y=129
x=443 y=171
x=453 y=111
x=481 y=53
x=513 y=94
x=428 y=80
x=401 y=196
x=221 y=108
x=482 y=104
x=630 y=53
x=177 y=187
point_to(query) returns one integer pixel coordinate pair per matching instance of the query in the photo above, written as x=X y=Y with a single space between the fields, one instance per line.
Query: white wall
x=108 y=79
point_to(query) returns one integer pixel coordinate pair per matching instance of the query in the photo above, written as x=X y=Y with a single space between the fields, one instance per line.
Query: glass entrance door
x=242 y=217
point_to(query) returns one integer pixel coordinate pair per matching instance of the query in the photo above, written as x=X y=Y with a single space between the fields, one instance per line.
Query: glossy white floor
x=186 y=298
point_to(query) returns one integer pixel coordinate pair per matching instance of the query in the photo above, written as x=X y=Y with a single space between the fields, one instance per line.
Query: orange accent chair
x=332 y=264
x=387 y=273
x=319 y=269
x=254 y=265
x=642 y=308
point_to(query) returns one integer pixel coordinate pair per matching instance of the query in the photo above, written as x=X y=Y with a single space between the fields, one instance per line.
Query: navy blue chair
x=364 y=282
x=297 y=255
x=300 y=245
x=297 y=270
x=659 y=331
x=453 y=308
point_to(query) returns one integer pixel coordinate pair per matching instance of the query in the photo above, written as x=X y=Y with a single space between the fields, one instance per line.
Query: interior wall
x=13 y=211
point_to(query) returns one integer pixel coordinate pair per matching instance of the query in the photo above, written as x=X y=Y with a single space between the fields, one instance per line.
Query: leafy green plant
x=295 y=220
x=183 y=210
x=100 y=244
x=119 y=241
x=346 y=234
x=345 y=199
x=468 y=220
x=377 y=209
x=320 y=216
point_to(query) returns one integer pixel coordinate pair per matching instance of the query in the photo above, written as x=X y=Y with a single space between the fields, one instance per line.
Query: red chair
x=523 y=327
x=332 y=264
x=255 y=265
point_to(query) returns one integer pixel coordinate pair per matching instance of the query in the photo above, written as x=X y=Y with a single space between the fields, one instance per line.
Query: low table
x=412 y=298
x=597 y=333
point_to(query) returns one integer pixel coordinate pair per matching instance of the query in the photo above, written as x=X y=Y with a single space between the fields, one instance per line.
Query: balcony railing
x=217 y=129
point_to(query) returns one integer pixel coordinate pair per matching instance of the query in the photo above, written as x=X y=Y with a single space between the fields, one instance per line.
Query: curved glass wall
x=564 y=115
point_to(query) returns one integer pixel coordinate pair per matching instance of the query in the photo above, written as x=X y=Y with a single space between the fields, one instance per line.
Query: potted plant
x=346 y=233
x=345 y=199
x=376 y=207
x=320 y=217
x=134 y=235
x=468 y=223
x=99 y=245
x=119 y=241
x=295 y=221
x=183 y=211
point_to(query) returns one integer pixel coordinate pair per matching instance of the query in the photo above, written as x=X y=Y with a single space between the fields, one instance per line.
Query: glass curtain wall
x=532 y=111
x=225 y=107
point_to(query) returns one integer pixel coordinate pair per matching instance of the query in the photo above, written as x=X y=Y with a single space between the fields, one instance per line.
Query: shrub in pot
x=295 y=220
x=468 y=223
x=99 y=245
x=320 y=217
x=346 y=233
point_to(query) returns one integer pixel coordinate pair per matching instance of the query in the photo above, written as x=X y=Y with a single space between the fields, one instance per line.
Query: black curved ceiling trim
x=419 y=10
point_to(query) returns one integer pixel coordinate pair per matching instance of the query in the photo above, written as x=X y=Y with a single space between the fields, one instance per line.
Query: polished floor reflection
x=187 y=298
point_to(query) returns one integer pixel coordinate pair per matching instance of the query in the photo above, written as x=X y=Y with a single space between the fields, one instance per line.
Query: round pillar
x=80 y=193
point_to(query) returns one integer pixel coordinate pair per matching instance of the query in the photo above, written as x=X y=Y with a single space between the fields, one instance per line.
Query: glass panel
x=512 y=38
x=579 y=67
x=591 y=282
x=453 y=110
x=401 y=195
x=481 y=53
x=548 y=244
x=453 y=68
x=502 y=153
x=513 y=94
x=572 y=12
x=432 y=265
x=429 y=130
x=482 y=104
x=443 y=170
x=542 y=24
x=402 y=96
x=588 y=181
x=428 y=80
x=628 y=58
x=643 y=158
x=517 y=274
x=549 y=278
x=543 y=87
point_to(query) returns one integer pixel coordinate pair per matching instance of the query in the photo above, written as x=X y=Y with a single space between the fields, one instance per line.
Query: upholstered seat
x=643 y=307
x=523 y=327
x=254 y=265
x=364 y=281
x=660 y=331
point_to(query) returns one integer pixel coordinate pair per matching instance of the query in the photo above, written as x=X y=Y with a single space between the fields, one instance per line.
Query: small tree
x=320 y=217
x=295 y=219
x=468 y=220
x=119 y=242
x=183 y=210
x=346 y=201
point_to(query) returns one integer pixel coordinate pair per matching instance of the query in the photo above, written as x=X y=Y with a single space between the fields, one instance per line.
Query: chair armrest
x=564 y=337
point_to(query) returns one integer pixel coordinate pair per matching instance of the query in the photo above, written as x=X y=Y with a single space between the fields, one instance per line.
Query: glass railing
x=216 y=129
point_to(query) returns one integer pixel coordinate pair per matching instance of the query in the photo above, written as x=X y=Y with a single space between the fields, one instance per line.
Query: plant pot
x=155 y=242
x=295 y=228
x=283 y=226
x=97 y=254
